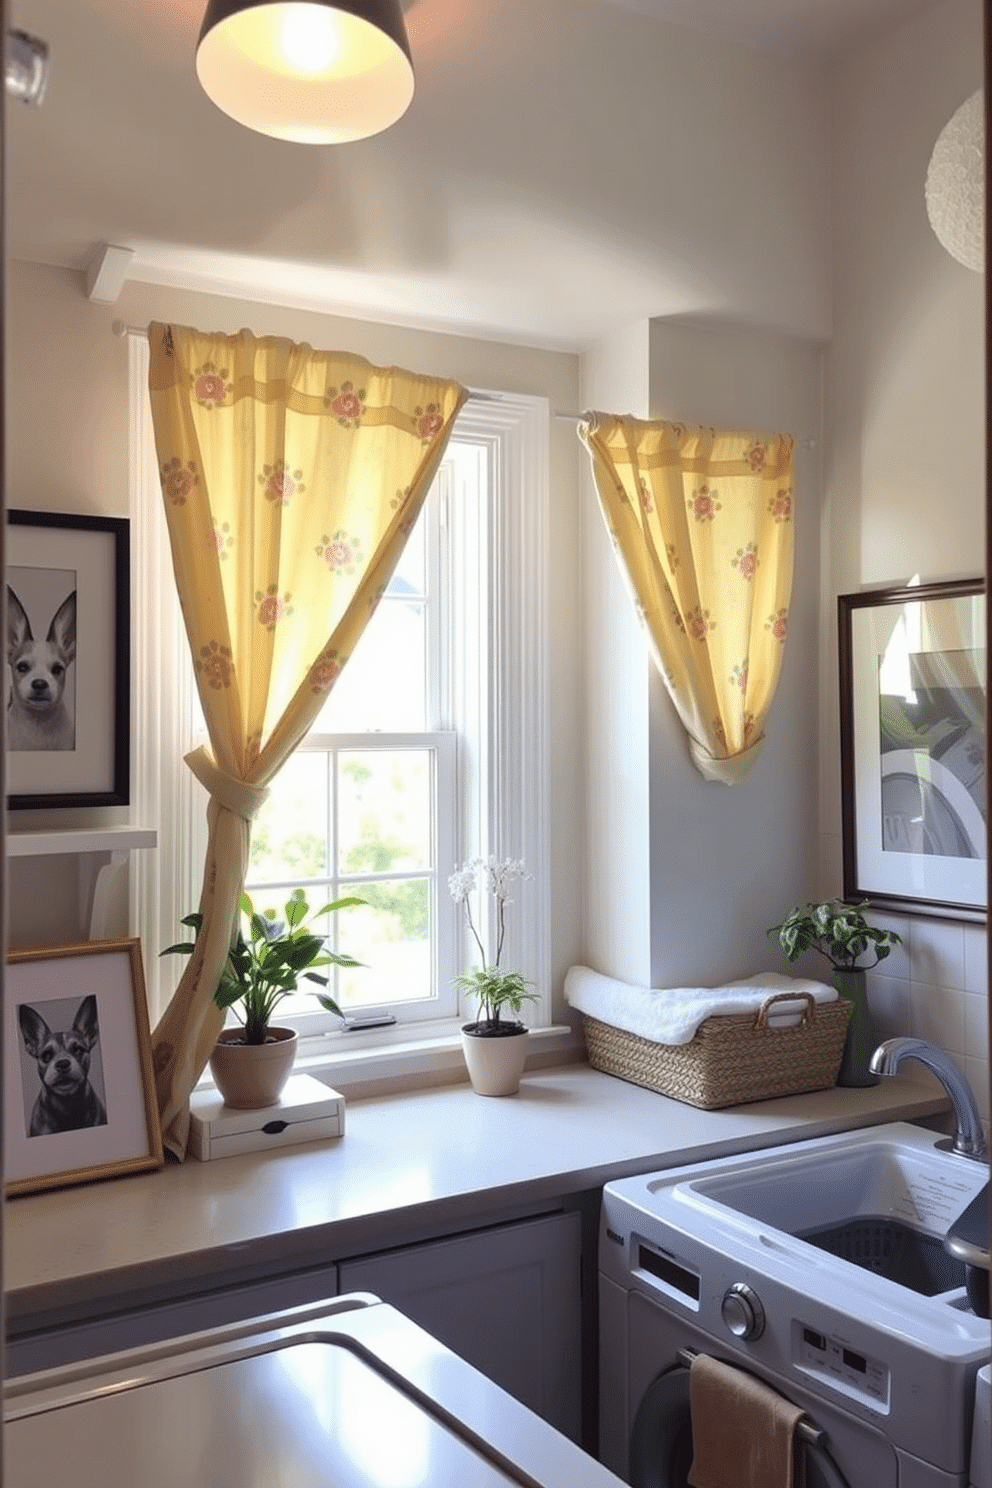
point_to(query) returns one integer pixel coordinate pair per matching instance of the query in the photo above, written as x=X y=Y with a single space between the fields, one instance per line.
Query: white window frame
x=497 y=690
x=309 y=1019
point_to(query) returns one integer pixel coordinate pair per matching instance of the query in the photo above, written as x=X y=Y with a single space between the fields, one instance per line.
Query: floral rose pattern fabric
x=290 y=480
x=281 y=483
x=325 y=671
x=340 y=552
x=214 y=664
x=178 y=480
x=702 y=524
x=429 y=421
x=273 y=607
x=346 y=404
x=745 y=560
x=210 y=385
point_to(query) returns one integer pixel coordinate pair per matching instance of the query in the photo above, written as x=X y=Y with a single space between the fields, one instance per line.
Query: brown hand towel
x=741 y=1429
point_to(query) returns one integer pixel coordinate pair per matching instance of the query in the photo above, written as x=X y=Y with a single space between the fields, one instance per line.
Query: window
x=440 y=757
x=366 y=806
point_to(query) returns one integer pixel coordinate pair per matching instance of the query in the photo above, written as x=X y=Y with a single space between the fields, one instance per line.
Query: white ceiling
x=536 y=190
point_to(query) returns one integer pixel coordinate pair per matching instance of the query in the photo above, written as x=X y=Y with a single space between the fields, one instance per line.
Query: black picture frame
x=52 y=556
x=913 y=688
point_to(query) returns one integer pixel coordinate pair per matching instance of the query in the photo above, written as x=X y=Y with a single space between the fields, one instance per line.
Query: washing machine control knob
x=742 y=1311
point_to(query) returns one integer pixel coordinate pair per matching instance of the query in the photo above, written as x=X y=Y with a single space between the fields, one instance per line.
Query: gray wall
x=685 y=874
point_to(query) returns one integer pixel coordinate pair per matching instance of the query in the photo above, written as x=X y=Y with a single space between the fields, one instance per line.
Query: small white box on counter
x=307 y=1111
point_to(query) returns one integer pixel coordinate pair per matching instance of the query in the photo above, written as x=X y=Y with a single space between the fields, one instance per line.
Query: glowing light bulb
x=309 y=38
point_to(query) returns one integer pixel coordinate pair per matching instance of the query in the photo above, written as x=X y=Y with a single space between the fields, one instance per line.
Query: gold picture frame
x=79 y=1089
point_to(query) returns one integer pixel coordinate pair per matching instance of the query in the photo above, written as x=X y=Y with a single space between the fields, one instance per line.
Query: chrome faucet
x=969 y=1139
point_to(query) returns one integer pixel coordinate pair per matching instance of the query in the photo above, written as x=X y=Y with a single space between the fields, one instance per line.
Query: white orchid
x=493 y=986
x=462 y=881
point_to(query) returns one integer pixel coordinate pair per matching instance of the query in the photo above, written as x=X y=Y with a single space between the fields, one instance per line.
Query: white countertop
x=410 y=1163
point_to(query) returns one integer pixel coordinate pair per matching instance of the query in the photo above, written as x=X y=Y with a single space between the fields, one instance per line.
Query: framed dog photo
x=78 y=1088
x=68 y=660
x=913 y=688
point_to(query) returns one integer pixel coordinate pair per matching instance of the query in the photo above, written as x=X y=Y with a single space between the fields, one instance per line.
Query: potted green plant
x=840 y=932
x=495 y=1046
x=250 y=1064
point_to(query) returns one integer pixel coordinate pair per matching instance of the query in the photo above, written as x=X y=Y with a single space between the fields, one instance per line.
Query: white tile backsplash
x=935 y=987
x=939 y=1014
x=977 y=1074
x=897 y=963
x=976 y=964
x=891 y=1005
x=976 y=1024
x=936 y=953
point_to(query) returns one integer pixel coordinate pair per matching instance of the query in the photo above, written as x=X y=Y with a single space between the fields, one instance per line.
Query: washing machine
x=727 y=1259
x=980 y=1467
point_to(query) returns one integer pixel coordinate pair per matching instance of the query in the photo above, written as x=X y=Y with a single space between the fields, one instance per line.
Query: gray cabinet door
x=137 y=1323
x=507 y=1299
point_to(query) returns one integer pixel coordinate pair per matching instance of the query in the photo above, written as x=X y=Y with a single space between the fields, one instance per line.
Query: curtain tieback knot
x=238 y=796
x=730 y=771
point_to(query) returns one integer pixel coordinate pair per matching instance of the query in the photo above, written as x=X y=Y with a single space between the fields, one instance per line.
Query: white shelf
x=103 y=898
x=78 y=840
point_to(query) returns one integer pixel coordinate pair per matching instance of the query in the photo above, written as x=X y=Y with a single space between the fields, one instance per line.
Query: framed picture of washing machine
x=912 y=730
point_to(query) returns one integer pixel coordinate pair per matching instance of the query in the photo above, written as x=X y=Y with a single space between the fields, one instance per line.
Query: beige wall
x=67 y=410
x=904 y=477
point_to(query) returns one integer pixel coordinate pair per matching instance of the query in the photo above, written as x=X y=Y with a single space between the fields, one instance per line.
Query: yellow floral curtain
x=702 y=525
x=291 y=480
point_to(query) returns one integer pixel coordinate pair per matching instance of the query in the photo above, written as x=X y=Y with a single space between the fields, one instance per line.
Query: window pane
x=384 y=810
x=410 y=574
x=384 y=685
x=289 y=836
x=392 y=940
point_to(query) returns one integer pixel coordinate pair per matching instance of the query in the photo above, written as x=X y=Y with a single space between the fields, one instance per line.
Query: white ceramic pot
x=495 y=1064
x=251 y=1076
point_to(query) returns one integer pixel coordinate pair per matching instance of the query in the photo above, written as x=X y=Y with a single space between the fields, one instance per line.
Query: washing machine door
x=661 y=1443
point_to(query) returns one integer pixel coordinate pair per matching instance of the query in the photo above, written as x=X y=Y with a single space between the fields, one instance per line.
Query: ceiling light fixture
x=955 y=189
x=26 y=67
x=311 y=71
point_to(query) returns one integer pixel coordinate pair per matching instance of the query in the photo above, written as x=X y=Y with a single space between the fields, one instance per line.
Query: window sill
x=360 y=1065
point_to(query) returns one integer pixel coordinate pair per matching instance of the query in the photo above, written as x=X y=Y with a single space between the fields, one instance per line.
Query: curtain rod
x=121 y=328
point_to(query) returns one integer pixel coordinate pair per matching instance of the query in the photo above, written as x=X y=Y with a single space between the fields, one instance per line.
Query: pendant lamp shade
x=311 y=71
x=955 y=185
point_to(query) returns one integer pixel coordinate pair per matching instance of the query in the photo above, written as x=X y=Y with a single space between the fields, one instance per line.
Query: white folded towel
x=671 y=1015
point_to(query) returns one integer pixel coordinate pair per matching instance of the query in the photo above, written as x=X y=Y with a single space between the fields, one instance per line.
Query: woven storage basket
x=732 y=1058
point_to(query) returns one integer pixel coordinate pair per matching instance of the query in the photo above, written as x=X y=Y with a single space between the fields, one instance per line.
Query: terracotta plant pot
x=495 y=1062
x=251 y=1076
